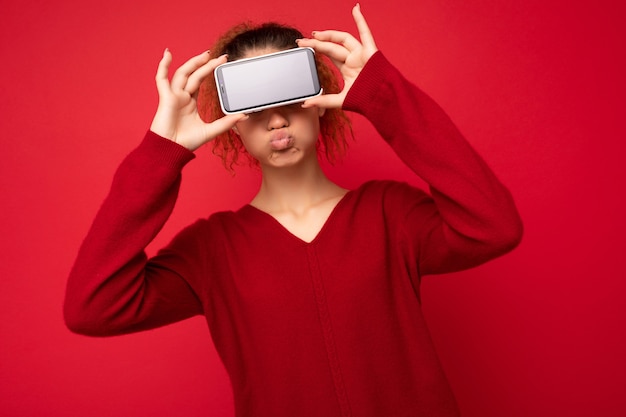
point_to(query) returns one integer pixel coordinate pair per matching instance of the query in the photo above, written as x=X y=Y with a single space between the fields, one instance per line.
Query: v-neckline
x=320 y=232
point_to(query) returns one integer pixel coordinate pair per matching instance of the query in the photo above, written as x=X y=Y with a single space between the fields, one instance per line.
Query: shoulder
x=211 y=223
x=390 y=191
x=389 y=199
x=233 y=223
x=209 y=233
x=222 y=222
x=389 y=210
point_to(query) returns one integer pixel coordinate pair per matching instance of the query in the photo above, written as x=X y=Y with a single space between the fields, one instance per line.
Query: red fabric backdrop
x=538 y=87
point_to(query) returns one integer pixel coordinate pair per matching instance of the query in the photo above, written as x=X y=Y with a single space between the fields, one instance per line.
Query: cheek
x=313 y=124
x=248 y=139
x=245 y=130
x=309 y=119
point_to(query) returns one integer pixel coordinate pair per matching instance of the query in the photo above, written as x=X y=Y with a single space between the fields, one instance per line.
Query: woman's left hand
x=348 y=53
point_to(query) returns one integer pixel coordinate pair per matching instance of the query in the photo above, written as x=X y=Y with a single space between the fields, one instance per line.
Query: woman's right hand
x=177 y=115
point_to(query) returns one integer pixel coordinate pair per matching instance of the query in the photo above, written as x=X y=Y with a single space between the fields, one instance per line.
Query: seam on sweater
x=329 y=339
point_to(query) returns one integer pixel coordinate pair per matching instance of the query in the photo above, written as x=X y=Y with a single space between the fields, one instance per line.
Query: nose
x=276 y=118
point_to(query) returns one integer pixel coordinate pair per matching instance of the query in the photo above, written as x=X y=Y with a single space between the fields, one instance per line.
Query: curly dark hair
x=237 y=42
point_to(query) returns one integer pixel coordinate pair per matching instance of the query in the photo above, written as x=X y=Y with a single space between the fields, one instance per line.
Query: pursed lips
x=280 y=140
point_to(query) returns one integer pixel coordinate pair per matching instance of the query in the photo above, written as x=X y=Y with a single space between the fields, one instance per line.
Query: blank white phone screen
x=266 y=81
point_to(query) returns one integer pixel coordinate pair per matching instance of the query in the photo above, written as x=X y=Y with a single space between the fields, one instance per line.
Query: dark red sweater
x=327 y=328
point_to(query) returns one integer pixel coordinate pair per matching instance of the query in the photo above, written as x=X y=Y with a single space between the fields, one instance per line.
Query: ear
x=321 y=111
x=236 y=130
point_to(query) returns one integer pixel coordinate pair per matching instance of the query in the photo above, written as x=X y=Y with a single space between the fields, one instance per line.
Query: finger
x=161 y=77
x=196 y=78
x=179 y=80
x=338 y=37
x=326 y=101
x=225 y=123
x=365 y=34
x=337 y=53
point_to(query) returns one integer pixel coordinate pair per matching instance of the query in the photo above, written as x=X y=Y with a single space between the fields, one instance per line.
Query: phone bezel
x=220 y=85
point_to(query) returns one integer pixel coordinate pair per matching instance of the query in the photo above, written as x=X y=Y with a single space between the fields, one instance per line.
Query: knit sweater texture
x=331 y=327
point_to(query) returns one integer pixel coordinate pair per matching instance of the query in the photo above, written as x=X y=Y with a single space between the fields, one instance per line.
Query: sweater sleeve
x=112 y=288
x=471 y=216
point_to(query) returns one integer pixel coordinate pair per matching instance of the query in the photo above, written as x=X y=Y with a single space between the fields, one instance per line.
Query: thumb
x=327 y=101
x=223 y=124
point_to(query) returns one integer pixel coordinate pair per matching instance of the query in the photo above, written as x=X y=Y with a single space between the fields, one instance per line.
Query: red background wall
x=538 y=87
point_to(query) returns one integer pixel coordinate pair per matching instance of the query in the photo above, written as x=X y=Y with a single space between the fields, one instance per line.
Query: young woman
x=311 y=291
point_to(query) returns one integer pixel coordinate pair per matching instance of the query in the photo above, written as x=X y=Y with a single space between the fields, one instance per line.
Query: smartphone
x=253 y=84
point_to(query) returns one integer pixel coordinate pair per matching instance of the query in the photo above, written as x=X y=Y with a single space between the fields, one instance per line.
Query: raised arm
x=473 y=217
x=112 y=288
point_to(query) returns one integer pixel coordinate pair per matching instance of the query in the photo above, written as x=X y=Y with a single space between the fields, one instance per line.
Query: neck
x=294 y=189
